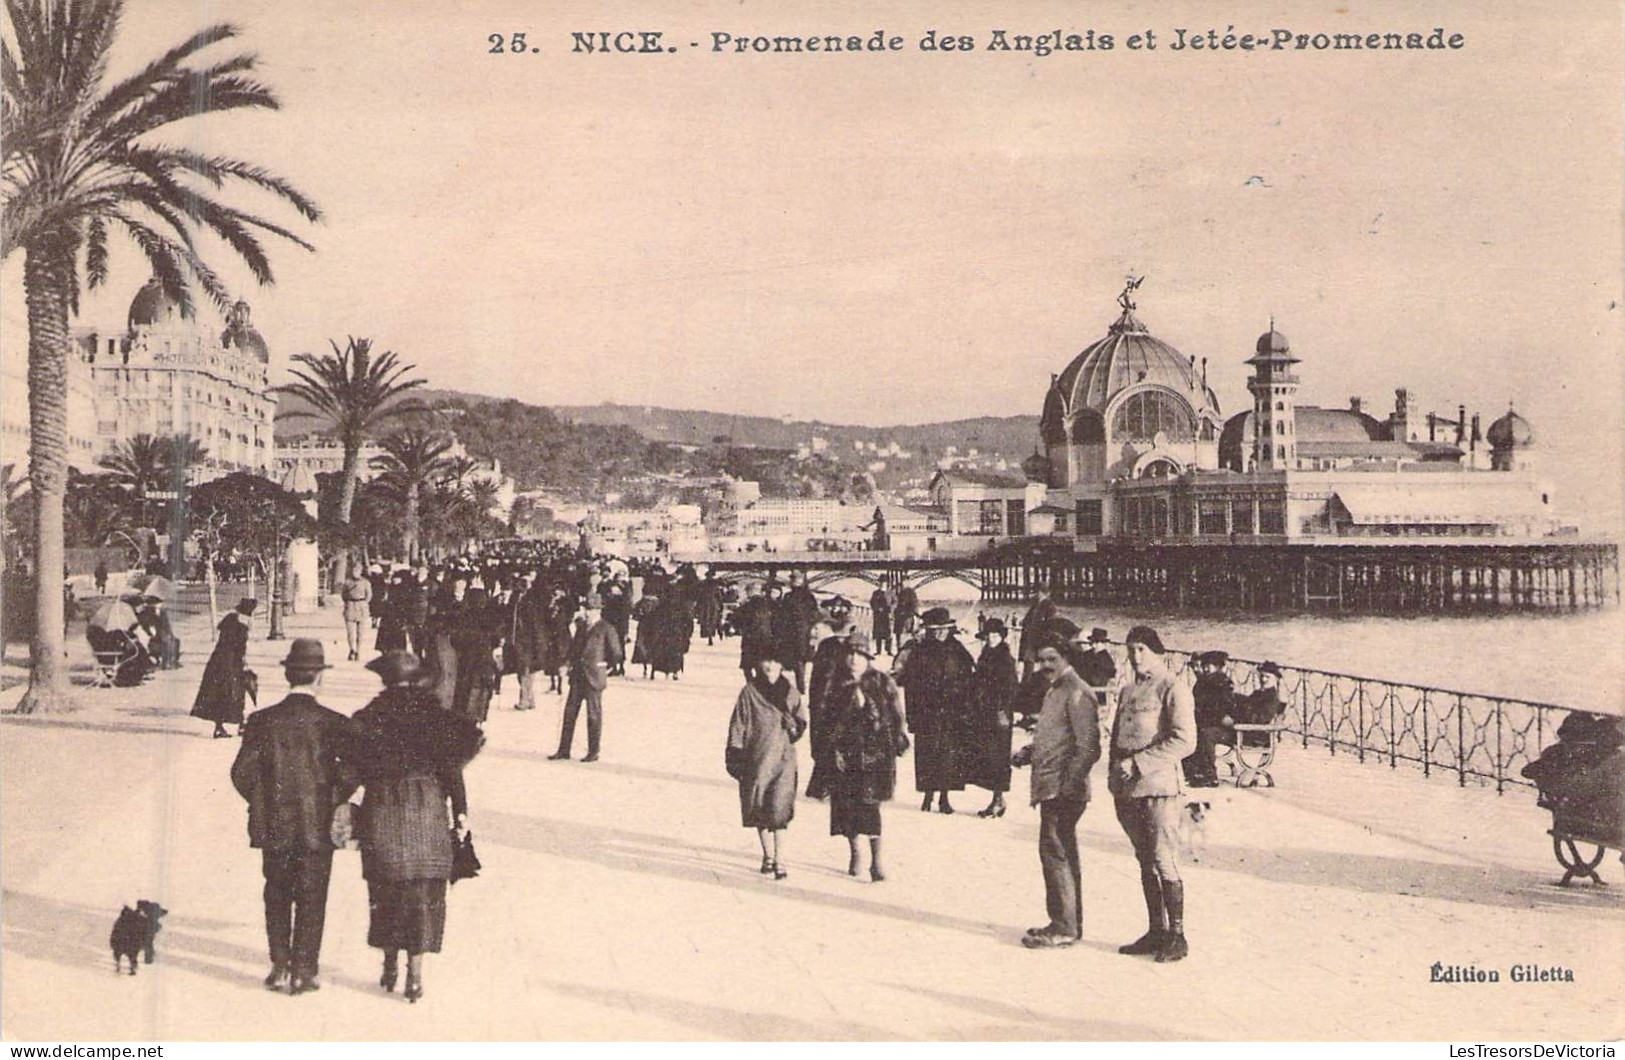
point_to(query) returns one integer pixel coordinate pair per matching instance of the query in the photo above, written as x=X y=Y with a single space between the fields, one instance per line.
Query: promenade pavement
x=620 y=900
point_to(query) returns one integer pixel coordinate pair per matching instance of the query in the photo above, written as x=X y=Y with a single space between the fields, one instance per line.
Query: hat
x=397 y=667
x=1147 y=636
x=1098 y=635
x=1270 y=668
x=937 y=618
x=994 y=625
x=840 y=603
x=305 y=654
x=858 y=641
x=247 y=606
x=1213 y=658
x=1061 y=629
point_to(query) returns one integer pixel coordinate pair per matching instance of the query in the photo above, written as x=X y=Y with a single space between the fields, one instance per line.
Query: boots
x=414 y=977
x=391 y=964
x=1174 y=946
x=1156 y=914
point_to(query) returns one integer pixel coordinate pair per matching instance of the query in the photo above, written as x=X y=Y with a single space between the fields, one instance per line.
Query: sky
x=913 y=236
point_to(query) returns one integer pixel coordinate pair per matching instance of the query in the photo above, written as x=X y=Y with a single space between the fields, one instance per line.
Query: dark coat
x=1215 y=699
x=1032 y=630
x=995 y=685
x=594 y=651
x=754 y=621
x=828 y=664
x=561 y=630
x=793 y=623
x=1096 y=667
x=671 y=628
x=880 y=610
x=530 y=632
x=221 y=694
x=936 y=677
x=409 y=756
x=708 y=607
x=866 y=737
x=289 y=770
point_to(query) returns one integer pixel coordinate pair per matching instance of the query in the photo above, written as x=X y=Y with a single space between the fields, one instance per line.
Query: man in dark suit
x=594 y=651
x=289 y=771
x=528 y=631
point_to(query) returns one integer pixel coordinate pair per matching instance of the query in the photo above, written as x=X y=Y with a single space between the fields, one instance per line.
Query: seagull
x=1256 y=182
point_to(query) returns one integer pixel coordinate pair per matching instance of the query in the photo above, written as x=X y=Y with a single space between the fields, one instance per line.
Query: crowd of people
x=446 y=635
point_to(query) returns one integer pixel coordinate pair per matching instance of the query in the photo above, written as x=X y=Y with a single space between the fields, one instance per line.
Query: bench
x=1250 y=759
x=1567 y=836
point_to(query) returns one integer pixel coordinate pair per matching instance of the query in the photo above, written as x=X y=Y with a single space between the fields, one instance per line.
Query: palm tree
x=412 y=459
x=78 y=165
x=355 y=394
x=140 y=464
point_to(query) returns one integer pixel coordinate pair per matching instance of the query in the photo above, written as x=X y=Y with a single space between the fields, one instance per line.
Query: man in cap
x=357 y=593
x=1094 y=663
x=1215 y=699
x=1263 y=705
x=1155 y=728
x=289 y=772
x=594 y=651
x=1065 y=747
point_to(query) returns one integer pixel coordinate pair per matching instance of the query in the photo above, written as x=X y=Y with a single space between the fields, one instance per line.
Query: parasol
x=154 y=585
x=112 y=614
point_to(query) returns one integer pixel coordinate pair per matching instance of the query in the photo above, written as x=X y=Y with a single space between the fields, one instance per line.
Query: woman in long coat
x=936 y=678
x=865 y=719
x=644 y=612
x=670 y=628
x=561 y=617
x=709 y=608
x=221 y=695
x=390 y=610
x=409 y=755
x=767 y=721
x=993 y=700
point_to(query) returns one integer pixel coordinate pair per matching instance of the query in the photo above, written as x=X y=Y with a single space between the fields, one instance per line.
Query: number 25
x=516 y=43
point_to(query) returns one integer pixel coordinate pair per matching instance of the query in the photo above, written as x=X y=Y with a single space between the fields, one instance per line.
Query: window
x=1016 y=517
x=1088 y=428
x=1144 y=414
x=991 y=514
x=1090 y=522
x=1280 y=452
x=1241 y=516
x=1280 y=426
x=1271 y=517
x=1210 y=517
x=1280 y=406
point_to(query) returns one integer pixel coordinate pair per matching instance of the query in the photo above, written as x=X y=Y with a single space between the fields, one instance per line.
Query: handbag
x=344 y=830
x=465 y=864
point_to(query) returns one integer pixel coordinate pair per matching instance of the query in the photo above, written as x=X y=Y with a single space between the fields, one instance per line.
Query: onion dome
x=1129 y=356
x=1272 y=348
x=1035 y=467
x=1511 y=431
x=240 y=334
x=152 y=306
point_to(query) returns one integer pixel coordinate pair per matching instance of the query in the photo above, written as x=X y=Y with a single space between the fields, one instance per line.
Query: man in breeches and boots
x=289 y=771
x=1155 y=728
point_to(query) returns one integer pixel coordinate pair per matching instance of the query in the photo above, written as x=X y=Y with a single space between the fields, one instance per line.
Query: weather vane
x=1132 y=285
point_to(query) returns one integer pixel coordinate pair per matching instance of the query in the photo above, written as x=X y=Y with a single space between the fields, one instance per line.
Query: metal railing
x=1469 y=735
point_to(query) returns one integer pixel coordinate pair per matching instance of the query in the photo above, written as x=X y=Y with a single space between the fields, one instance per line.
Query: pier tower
x=1274 y=387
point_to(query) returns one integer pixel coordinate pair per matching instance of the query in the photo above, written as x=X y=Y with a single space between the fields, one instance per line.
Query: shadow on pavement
x=1018 y=1023
x=643 y=852
x=718 y=1021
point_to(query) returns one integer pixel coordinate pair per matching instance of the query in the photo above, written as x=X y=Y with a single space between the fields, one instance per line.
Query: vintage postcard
x=812 y=521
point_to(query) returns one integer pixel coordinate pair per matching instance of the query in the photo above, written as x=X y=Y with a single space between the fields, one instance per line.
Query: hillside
x=586 y=448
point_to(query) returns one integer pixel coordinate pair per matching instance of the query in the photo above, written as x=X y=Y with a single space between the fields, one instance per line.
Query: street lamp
x=278 y=578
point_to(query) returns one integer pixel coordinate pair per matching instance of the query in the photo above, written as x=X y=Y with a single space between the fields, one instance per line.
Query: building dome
x=1129 y=356
x=1272 y=341
x=1511 y=431
x=152 y=306
x=1036 y=467
x=240 y=334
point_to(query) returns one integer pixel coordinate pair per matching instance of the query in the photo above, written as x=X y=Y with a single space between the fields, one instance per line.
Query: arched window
x=1280 y=426
x=1280 y=406
x=1280 y=452
x=1144 y=414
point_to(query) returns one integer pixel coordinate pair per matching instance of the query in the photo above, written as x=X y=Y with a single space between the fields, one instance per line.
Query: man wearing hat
x=1094 y=663
x=357 y=594
x=289 y=772
x=1262 y=706
x=1215 y=699
x=595 y=650
x=937 y=682
x=1065 y=747
x=1155 y=728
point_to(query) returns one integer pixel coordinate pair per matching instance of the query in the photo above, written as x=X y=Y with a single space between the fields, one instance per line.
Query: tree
x=78 y=165
x=245 y=513
x=356 y=394
x=412 y=459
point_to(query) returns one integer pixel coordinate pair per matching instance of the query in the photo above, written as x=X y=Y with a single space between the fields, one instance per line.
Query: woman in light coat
x=767 y=721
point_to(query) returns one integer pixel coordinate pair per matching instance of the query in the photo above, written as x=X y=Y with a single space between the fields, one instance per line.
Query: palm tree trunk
x=47 y=272
x=412 y=524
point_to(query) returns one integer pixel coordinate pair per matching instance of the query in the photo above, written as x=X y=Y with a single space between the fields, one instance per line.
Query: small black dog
x=134 y=932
